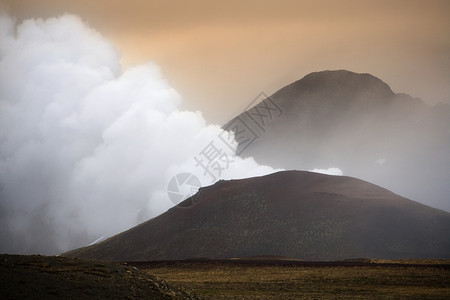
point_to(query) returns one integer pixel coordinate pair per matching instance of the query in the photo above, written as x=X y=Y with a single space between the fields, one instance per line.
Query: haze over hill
x=295 y=214
x=354 y=122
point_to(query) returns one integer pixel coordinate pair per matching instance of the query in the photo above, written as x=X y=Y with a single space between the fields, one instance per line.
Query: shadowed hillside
x=295 y=214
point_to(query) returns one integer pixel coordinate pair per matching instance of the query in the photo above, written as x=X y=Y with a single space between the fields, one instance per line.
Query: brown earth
x=308 y=280
x=295 y=214
x=268 y=277
x=50 y=277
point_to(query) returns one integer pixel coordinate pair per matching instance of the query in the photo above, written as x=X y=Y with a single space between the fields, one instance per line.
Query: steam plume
x=87 y=150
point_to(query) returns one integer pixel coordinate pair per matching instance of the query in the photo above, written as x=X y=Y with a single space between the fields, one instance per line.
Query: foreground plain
x=50 y=277
x=426 y=279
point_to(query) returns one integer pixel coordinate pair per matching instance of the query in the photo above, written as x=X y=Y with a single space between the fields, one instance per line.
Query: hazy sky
x=220 y=54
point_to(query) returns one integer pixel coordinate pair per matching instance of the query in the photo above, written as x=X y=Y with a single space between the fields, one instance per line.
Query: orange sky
x=220 y=54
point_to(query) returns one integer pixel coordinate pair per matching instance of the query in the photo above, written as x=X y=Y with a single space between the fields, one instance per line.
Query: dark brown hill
x=294 y=214
x=357 y=123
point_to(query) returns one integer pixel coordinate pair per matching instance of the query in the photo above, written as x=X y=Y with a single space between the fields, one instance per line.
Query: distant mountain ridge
x=294 y=214
x=357 y=123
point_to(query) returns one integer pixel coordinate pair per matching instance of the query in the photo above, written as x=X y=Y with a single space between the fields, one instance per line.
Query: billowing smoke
x=87 y=150
x=330 y=171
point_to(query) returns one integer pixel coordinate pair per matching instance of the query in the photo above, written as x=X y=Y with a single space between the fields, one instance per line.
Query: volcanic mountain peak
x=294 y=214
x=352 y=121
x=345 y=80
x=301 y=182
x=339 y=85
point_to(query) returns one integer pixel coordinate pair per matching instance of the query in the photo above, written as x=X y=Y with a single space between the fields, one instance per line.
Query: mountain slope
x=292 y=213
x=357 y=123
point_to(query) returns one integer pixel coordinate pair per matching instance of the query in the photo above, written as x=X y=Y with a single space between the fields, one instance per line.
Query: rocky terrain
x=50 y=277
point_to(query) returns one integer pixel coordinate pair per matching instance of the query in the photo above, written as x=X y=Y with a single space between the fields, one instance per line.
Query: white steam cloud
x=330 y=171
x=85 y=149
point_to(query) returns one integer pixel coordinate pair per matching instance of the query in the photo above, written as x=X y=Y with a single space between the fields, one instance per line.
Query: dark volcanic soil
x=295 y=214
x=50 y=277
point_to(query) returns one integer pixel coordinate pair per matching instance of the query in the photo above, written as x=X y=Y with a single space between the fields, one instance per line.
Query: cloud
x=87 y=150
x=329 y=171
x=380 y=161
